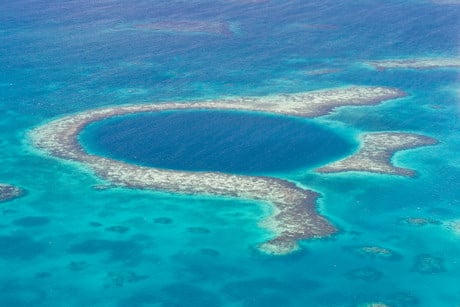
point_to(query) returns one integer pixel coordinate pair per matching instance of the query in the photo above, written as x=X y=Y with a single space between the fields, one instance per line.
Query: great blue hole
x=223 y=141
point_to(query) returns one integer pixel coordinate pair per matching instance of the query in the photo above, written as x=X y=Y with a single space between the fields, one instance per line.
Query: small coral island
x=9 y=192
x=294 y=216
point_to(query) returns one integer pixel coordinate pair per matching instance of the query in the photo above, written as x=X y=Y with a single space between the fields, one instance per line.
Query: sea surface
x=67 y=242
x=231 y=142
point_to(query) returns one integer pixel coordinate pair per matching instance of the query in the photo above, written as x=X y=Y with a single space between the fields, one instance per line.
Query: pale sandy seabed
x=294 y=216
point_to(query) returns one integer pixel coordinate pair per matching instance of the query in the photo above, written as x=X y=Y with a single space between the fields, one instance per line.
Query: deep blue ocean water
x=66 y=244
x=231 y=142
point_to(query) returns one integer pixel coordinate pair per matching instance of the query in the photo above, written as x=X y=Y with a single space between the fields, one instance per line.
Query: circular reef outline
x=294 y=216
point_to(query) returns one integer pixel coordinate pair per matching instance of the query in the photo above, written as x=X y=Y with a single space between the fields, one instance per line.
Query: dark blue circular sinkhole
x=224 y=141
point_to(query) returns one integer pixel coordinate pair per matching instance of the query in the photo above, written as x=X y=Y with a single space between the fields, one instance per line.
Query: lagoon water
x=65 y=243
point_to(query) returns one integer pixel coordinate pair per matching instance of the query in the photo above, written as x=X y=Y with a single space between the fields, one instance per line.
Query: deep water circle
x=224 y=141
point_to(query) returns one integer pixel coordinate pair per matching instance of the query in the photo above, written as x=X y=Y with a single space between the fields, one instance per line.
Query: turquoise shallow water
x=66 y=244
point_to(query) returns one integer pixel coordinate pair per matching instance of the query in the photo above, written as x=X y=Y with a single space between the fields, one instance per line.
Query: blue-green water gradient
x=65 y=243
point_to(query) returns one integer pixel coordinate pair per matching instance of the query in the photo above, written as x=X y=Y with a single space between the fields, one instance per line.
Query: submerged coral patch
x=20 y=247
x=198 y=230
x=119 y=279
x=119 y=250
x=117 y=229
x=420 y=221
x=373 y=252
x=209 y=252
x=9 y=192
x=31 y=221
x=163 y=220
x=366 y=274
x=428 y=264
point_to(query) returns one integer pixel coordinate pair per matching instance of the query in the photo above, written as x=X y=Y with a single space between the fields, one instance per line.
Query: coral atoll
x=293 y=217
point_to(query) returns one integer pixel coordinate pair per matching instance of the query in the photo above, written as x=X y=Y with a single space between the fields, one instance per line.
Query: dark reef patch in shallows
x=77 y=265
x=31 y=221
x=428 y=264
x=117 y=229
x=119 y=279
x=173 y=295
x=366 y=274
x=268 y=291
x=198 y=230
x=41 y=275
x=163 y=220
x=209 y=252
x=117 y=249
x=95 y=224
x=22 y=247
